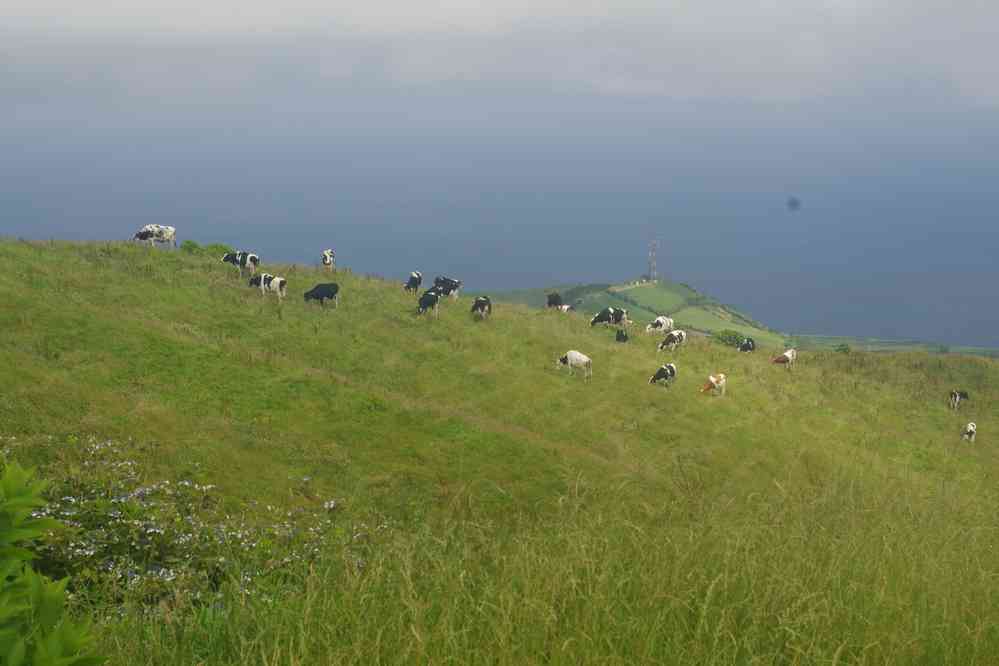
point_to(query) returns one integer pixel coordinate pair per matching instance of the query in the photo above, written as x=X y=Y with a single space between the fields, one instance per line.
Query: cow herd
x=716 y=383
x=447 y=287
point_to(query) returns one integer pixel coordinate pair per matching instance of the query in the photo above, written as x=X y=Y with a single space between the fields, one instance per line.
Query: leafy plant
x=842 y=348
x=728 y=337
x=190 y=247
x=33 y=626
x=213 y=249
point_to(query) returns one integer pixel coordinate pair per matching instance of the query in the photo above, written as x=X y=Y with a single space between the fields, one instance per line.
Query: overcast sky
x=530 y=143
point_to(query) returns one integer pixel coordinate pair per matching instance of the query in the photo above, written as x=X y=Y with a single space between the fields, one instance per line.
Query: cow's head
x=563 y=360
x=255 y=281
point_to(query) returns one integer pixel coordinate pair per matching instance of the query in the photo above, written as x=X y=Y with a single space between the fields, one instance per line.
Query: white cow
x=969 y=433
x=660 y=324
x=156 y=233
x=573 y=359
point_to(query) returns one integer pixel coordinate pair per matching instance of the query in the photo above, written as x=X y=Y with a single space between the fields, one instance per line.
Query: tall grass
x=826 y=515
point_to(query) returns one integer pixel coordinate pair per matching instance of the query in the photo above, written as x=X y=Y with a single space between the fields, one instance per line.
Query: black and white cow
x=611 y=315
x=672 y=340
x=415 y=281
x=554 y=300
x=660 y=324
x=956 y=397
x=482 y=307
x=969 y=432
x=242 y=260
x=329 y=291
x=268 y=282
x=664 y=374
x=573 y=359
x=565 y=307
x=622 y=335
x=747 y=345
x=448 y=286
x=329 y=260
x=156 y=233
x=430 y=300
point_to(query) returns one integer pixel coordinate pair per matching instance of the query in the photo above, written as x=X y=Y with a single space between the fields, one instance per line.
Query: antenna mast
x=653 y=246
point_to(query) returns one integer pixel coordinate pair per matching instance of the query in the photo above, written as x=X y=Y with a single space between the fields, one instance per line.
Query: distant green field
x=707 y=318
x=662 y=298
x=818 y=342
x=646 y=301
x=697 y=312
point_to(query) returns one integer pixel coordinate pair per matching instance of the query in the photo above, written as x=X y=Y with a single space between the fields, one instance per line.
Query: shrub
x=33 y=626
x=842 y=348
x=190 y=247
x=729 y=337
x=218 y=249
x=132 y=541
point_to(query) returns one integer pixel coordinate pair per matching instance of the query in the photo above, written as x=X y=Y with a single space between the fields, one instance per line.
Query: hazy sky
x=530 y=143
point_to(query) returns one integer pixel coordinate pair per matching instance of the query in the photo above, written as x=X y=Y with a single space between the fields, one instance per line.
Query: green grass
x=494 y=509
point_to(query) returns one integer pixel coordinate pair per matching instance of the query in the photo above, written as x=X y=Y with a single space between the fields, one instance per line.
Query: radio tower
x=653 y=246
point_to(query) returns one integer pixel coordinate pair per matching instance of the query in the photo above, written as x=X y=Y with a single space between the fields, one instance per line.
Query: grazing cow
x=329 y=291
x=572 y=359
x=156 y=233
x=329 y=260
x=664 y=374
x=482 y=307
x=415 y=281
x=747 y=345
x=787 y=358
x=660 y=324
x=716 y=384
x=969 y=433
x=430 y=300
x=448 y=286
x=554 y=300
x=268 y=282
x=242 y=260
x=622 y=335
x=956 y=397
x=611 y=315
x=672 y=340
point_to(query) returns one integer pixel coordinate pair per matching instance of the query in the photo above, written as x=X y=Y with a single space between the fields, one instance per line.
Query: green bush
x=33 y=626
x=728 y=337
x=842 y=348
x=190 y=247
x=217 y=249
x=137 y=542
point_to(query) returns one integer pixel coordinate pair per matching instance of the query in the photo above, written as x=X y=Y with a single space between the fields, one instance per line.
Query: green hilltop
x=490 y=508
x=645 y=300
x=697 y=312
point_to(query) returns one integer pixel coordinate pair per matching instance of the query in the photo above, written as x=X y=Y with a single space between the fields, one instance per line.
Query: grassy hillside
x=690 y=309
x=395 y=489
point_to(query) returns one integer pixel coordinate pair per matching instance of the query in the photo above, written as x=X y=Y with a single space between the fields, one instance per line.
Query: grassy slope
x=827 y=513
